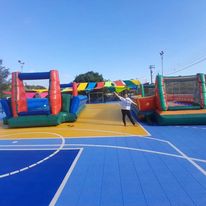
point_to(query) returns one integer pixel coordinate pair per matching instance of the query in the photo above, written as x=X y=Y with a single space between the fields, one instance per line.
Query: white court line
x=101 y=130
x=193 y=127
x=104 y=131
x=37 y=149
x=71 y=137
x=188 y=159
x=91 y=130
x=61 y=187
x=56 y=145
x=182 y=153
x=136 y=149
x=52 y=147
x=144 y=129
x=94 y=145
x=30 y=145
x=38 y=162
x=178 y=150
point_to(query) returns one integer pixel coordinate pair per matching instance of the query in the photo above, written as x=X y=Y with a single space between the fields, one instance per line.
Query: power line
x=188 y=66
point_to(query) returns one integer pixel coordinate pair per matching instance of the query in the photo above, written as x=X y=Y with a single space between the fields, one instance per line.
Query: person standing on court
x=126 y=103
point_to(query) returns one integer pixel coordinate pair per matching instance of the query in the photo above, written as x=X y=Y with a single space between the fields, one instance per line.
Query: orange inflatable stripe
x=183 y=112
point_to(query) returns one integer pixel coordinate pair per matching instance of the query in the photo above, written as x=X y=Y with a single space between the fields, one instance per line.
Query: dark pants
x=128 y=113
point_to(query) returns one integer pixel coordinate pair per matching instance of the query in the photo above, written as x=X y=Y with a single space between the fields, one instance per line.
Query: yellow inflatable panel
x=135 y=81
x=96 y=120
x=82 y=86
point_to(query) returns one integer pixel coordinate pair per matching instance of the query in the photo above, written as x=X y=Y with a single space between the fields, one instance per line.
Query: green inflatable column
x=203 y=88
x=161 y=93
x=142 y=90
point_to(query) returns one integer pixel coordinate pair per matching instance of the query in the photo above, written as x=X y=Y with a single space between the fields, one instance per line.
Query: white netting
x=182 y=89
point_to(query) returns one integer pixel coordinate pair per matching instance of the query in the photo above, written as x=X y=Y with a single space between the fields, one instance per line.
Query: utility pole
x=21 y=65
x=162 y=55
x=151 y=67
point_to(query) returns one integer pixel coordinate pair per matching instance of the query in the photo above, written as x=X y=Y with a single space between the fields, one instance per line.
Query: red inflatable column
x=55 y=92
x=14 y=94
x=75 y=91
x=18 y=95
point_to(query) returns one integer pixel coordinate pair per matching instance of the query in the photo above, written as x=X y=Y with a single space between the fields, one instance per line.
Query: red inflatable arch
x=18 y=96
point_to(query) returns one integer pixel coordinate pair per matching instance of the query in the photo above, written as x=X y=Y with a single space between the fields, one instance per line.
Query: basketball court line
x=93 y=130
x=182 y=154
x=104 y=131
x=38 y=162
x=61 y=187
x=80 y=147
x=70 y=137
x=144 y=128
x=78 y=129
x=66 y=177
x=193 y=127
x=52 y=147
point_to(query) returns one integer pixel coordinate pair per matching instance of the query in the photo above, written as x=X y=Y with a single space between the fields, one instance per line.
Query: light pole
x=151 y=67
x=162 y=55
x=21 y=65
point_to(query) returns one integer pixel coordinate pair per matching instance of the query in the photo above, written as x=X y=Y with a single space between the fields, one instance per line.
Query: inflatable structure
x=117 y=86
x=29 y=112
x=177 y=100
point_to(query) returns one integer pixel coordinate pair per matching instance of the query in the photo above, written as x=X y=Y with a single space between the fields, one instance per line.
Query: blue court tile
x=111 y=181
x=152 y=189
x=191 y=179
x=98 y=141
x=170 y=183
x=37 y=185
x=130 y=182
x=190 y=141
x=17 y=159
x=91 y=191
x=203 y=165
x=74 y=188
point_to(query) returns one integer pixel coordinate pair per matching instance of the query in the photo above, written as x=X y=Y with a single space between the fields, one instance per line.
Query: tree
x=89 y=77
x=4 y=82
x=33 y=87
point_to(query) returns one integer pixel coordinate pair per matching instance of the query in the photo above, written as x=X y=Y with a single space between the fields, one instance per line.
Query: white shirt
x=125 y=103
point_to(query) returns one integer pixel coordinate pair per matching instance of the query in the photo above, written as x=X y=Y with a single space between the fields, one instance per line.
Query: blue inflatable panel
x=78 y=104
x=38 y=104
x=34 y=113
x=33 y=76
x=91 y=86
x=2 y=115
x=66 y=85
x=6 y=106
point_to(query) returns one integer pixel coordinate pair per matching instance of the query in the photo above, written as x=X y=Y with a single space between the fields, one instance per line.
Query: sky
x=117 y=38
